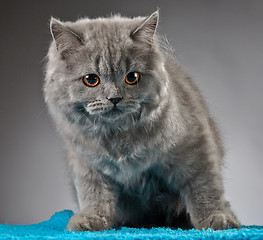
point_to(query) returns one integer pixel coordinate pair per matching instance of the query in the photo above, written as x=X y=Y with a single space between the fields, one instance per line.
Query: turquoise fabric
x=55 y=229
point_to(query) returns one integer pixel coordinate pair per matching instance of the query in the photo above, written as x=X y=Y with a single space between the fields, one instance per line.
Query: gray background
x=219 y=42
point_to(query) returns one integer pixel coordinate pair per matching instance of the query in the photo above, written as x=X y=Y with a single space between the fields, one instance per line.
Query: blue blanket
x=55 y=229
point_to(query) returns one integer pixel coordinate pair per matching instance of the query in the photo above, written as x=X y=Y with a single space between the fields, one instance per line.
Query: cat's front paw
x=219 y=221
x=81 y=222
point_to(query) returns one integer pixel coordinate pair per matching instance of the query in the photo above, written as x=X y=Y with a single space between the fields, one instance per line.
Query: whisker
x=39 y=114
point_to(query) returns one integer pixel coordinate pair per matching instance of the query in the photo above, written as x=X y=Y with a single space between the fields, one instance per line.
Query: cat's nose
x=115 y=100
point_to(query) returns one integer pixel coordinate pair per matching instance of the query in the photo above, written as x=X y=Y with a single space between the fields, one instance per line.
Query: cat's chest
x=149 y=186
x=121 y=159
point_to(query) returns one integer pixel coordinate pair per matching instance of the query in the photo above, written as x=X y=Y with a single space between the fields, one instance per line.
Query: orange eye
x=91 y=80
x=132 y=78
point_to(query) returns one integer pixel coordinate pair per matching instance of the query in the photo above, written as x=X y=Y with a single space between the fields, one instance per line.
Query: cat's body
x=145 y=153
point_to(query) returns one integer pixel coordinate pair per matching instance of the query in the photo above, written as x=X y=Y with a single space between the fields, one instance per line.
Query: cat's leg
x=204 y=200
x=96 y=200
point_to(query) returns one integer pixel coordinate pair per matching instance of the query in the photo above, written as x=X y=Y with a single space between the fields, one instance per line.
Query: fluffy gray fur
x=153 y=159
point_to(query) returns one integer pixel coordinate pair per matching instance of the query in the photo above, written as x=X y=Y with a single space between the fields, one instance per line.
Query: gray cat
x=142 y=147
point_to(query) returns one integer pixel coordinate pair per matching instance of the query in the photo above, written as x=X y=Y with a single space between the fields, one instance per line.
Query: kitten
x=142 y=147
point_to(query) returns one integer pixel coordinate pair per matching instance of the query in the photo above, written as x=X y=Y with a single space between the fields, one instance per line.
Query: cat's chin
x=114 y=113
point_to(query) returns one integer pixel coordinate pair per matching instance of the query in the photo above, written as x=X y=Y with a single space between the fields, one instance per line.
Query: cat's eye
x=91 y=80
x=132 y=78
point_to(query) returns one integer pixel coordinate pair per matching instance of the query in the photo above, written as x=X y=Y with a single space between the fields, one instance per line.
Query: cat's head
x=105 y=71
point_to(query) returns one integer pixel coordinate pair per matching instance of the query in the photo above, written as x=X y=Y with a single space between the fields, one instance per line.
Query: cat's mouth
x=114 y=112
x=100 y=110
x=116 y=115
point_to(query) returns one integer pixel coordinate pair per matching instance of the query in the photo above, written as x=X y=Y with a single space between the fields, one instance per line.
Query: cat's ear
x=146 y=30
x=67 y=41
